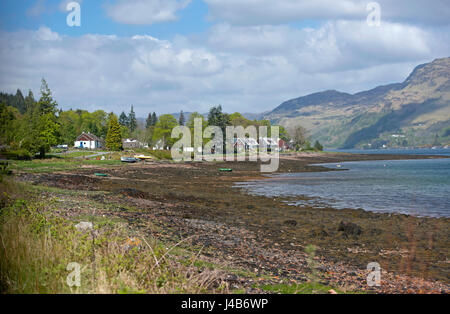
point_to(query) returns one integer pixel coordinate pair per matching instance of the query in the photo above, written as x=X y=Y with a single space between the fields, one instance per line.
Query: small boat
x=128 y=159
x=142 y=157
x=101 y=175
x=225 y=170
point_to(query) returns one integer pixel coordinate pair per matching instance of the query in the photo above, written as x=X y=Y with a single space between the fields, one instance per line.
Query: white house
x=131 y=143
x=88 y=141
x=269 y=143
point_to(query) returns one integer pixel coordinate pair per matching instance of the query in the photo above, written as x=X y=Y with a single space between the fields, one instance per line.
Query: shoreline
x=289 y=199
x=263 y=235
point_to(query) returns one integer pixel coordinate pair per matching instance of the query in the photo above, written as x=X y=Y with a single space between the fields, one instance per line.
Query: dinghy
x=128 y=159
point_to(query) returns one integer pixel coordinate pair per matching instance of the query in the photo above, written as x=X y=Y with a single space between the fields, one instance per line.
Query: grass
x=302 y=288
x=36 y=247
x=53 y=164
x=77 y=154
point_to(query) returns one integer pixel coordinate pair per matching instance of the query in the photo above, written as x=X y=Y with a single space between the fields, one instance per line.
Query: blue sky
x=18 y=14
x=247 y=55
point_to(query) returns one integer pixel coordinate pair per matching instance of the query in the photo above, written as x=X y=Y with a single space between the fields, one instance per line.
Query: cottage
x=130 y=144
x=239 y=144
x=251 y=144
x=268 y=143
x=89 y=141
x=282 y=145
x=245 y=144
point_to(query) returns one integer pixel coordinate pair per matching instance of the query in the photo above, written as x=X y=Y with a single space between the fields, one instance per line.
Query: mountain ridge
x=418 y=109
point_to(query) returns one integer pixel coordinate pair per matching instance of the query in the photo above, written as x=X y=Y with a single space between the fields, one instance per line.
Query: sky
x=246 y=55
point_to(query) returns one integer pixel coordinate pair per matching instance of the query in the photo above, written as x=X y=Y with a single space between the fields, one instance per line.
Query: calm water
x=416 y=187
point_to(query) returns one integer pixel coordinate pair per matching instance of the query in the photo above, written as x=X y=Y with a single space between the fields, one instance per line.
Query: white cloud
x=261 y=12
x=333 y=47
x=247 y=69
x=145 y=12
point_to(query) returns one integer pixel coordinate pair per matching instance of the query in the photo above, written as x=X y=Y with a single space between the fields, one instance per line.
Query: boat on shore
x=128 y=159
x=142 y=157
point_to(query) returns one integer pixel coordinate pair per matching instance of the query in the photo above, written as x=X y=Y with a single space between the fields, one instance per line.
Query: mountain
x=415 y=112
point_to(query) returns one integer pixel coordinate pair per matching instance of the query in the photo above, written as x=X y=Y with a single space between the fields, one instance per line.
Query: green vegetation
x=181 y=120
x=38 y=245
x=29 y=127
x=161 y=154
x=163 y=130
x=302 y=288
x=114 y=137
x=318 y=146
x=57 y=164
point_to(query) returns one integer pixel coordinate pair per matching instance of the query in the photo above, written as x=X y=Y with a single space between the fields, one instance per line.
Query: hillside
x=413 y=113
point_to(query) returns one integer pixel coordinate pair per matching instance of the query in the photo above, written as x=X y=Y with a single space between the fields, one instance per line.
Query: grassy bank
x=39 y=241
x=37 y=245
x=57 y=164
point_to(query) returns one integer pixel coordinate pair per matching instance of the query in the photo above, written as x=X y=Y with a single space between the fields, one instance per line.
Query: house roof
x=268 y=141
x=88 y=137
x=245 y=141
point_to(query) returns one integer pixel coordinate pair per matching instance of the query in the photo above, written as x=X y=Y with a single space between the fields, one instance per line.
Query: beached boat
x=142 y=157
x=128 y=159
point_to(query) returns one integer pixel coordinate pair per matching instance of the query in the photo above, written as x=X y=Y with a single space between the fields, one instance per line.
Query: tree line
x=34 y=126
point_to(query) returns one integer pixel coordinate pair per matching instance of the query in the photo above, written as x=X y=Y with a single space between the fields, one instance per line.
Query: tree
x=114 y=137
x=132 y=122
x=68 y=132
x=43 y=127
x=148 y=121
x=284 y=135
x=217 y=118
x=154 y=119
x=163 y=129
x=123 y=119
x=29 y=101
x=181 y=120
x=8 y=120
x=300 y=137
x=197 y=138
x=191 y=120
x=318 y=146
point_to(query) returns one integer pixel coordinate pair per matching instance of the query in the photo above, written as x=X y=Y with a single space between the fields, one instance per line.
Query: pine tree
x=43 y=130
x=114 y=138
x=123 y=119
x=148 y=122
x=19 y=101
x=318 y=146
x=132 y=122
x=181 y=120
x=154 y=119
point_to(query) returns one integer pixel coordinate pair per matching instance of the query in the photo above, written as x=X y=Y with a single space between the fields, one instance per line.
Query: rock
x=84 y=226
x=291 y=223
x=318 y=233
x=349 y=228
x=133 y=193
x=332 y=291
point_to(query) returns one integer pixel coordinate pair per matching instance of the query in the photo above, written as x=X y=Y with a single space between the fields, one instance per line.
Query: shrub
x=20 y=154
x=161 y=154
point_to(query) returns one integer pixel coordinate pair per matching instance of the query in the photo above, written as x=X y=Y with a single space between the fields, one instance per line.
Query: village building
x=268 y=143
x=283 y=145
x=88 y=141
x=245 y=144
x=131 y=143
